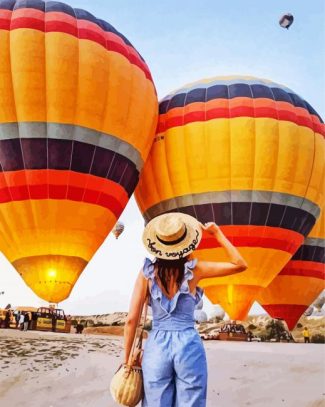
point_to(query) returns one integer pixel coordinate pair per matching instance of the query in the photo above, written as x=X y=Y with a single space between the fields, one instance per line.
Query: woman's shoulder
x=148 y=268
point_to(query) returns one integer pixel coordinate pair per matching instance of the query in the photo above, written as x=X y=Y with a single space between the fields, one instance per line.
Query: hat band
x=173 y=242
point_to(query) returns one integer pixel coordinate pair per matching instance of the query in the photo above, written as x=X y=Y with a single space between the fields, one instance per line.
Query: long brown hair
x=165 y=268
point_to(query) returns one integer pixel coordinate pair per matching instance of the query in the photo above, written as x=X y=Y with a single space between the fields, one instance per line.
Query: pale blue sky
x=183 y=41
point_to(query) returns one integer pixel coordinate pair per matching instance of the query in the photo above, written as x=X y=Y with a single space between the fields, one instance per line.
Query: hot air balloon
x=286 y=20
x=118 y=229
x=300 y=282
x=200 y=316
x=248 y=154
x=218 y=312
x=78 y=110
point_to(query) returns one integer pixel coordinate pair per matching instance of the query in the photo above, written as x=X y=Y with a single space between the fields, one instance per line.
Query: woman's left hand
x=211 y=228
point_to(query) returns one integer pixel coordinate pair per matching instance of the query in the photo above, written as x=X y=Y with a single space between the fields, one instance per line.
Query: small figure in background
x=79 y=328
x=306 y=335
x=7 y=319
x=26 y=321
x=21 y=321
x=17 y=317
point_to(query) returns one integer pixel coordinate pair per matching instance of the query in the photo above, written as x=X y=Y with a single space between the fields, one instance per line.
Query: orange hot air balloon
x=78 y=110
x=248 y=154
x=300 y=282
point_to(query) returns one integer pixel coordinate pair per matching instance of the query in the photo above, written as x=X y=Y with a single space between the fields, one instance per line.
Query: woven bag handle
x=138 y=344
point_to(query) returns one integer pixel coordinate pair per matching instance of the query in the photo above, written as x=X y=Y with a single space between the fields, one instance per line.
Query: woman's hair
x=165 y=268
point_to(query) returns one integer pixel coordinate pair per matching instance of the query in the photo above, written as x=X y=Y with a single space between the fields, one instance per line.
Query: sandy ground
x=59 y=370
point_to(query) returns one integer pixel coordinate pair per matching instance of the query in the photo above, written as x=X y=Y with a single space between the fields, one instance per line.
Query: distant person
x=306 y=335
x=17 y=317
x=174 y=361
x=53 y=322
x=21 y=321
x=7 y=319
x=26 y=321
x=79 y=328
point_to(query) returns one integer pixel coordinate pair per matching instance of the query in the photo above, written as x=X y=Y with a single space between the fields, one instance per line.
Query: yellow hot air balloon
x=248 y=154
x=78 y=110
x=301 y=280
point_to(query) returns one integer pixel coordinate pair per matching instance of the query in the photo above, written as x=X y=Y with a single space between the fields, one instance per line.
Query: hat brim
x=176 y=251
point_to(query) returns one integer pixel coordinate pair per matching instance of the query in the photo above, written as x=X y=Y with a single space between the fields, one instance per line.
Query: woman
x=174 y=362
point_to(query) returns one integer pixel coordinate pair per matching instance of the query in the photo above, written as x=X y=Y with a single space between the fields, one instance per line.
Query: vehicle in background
x=231 y=331
x=210 y=336
x=50 y=319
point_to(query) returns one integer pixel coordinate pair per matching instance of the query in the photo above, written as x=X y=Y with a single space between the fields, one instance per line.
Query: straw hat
x=172 y=236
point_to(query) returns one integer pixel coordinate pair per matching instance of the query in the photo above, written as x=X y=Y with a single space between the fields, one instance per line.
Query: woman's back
x=175 y=313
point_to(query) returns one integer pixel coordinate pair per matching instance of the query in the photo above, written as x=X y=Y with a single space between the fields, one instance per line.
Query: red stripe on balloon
x=257 y=236
x=166 y=123
x=302 y=268
x=22 y=193
x=55 y=184
x=63 y=178
x=61 y=26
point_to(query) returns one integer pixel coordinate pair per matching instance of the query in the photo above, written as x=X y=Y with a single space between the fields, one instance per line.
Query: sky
x=183 y=41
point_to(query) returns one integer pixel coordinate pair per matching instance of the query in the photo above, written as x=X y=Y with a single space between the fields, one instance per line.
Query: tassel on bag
x=127 y=384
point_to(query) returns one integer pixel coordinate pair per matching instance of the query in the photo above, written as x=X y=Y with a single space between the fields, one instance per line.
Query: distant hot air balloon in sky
x=78 y=110
x=118 y=229
x=286 y=20
x=248 y=154
x=300 y=282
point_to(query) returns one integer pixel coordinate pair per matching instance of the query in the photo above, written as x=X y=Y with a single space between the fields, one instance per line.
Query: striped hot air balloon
x=300 y=282
x=248 y=154
x=78 y=110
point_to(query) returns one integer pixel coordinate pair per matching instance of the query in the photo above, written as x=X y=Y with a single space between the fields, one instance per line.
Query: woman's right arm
x=236 y=264
x=135 y=309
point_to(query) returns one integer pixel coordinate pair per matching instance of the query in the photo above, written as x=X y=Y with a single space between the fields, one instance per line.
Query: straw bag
x=127 y=384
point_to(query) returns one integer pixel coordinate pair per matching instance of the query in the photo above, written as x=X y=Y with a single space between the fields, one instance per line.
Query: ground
x=63 y=370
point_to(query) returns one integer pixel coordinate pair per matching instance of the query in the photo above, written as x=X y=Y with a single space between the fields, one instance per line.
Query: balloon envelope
x=300 y=282
x=118 y=229
x=200 y=316
x=247 y=154
x=77 y=117
x=286 y=20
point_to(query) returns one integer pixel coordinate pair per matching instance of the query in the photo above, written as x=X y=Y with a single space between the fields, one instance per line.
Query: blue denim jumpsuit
x=174 y=362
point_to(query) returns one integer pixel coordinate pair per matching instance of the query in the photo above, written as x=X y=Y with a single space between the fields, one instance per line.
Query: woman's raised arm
x=236 y=264
x=135 y=309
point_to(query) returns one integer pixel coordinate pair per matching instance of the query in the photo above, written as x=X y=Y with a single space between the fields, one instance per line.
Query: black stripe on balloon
x=310 y=253
x=56 y=6
x=41 y=153
x=233 y=91
x=253 y=213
